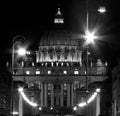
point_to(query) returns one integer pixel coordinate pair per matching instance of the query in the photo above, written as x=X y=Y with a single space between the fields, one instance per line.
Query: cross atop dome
x=58 y=17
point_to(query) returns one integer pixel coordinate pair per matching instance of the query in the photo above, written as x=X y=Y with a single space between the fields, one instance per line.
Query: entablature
x=56 y=78
x=60 y=70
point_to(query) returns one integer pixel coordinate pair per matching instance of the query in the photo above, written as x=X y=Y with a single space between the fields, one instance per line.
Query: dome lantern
x=58 y=17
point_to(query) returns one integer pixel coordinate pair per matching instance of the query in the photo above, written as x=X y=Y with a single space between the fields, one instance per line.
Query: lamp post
x=90 y=35
x=17 y=40
x=21 y=51
x=89 y=38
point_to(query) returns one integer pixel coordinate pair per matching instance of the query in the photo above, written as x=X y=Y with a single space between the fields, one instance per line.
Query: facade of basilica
x=55 y=84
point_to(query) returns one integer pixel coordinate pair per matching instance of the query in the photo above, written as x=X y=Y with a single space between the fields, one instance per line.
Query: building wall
x=116 y=91
x=5 y=92
x=106 y=98
x=54 y=86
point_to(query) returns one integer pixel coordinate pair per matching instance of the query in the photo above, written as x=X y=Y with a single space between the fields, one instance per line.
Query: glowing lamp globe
x=90 y=36
x=98 y=90
x=21 y=51
x=101 y=9
x=20 y=89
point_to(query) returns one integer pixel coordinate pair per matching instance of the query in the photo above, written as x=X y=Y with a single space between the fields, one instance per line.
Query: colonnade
x=57 y=95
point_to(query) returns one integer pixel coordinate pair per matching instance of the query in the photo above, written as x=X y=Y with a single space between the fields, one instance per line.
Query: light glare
x=102 y=9
x=93 y=96
x=98 y=90
x=65 y=72
x=20 y=89
x=40 y=108
x=15 y=113
x=26 y=99
x=21 y=51
x=90 y=36
x=82 y=104
x=75 y=108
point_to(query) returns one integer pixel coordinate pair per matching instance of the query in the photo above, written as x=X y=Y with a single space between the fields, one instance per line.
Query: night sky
x=31 y=18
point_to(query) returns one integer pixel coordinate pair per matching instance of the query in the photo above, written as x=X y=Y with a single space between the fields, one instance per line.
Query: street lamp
x=21 y=51
x=90 y=35
x=17 y=40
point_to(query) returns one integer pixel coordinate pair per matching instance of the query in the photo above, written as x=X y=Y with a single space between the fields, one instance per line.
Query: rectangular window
x=27 y=72
x=76 y=72
x=49 y=72
x=65 y=72
x=37 y=72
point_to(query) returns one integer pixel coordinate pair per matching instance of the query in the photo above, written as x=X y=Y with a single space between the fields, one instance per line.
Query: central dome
x=59 y=44
x=57 y=37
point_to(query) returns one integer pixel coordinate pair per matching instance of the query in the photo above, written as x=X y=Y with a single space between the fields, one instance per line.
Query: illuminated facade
x=55 y=83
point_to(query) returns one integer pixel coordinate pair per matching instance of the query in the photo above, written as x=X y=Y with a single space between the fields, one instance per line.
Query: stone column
x=41 y=56
x=61 y=94
x=55 y=55
x=62 y=55
x=45 y=94
x=42 y=91
x=57 y=95
x=52 y=95
x=47 y=56
x=37 y=56
x=98 y=104
x=74 y=55
x=68 y=95
x=32 y=108
x=20 y=105
x=72 y=95
x=80 y=59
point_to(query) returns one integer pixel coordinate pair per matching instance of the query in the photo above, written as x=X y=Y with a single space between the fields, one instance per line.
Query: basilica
x=55 y=82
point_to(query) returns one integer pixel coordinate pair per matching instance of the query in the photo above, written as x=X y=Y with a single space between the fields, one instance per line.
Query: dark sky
x=30 y=18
